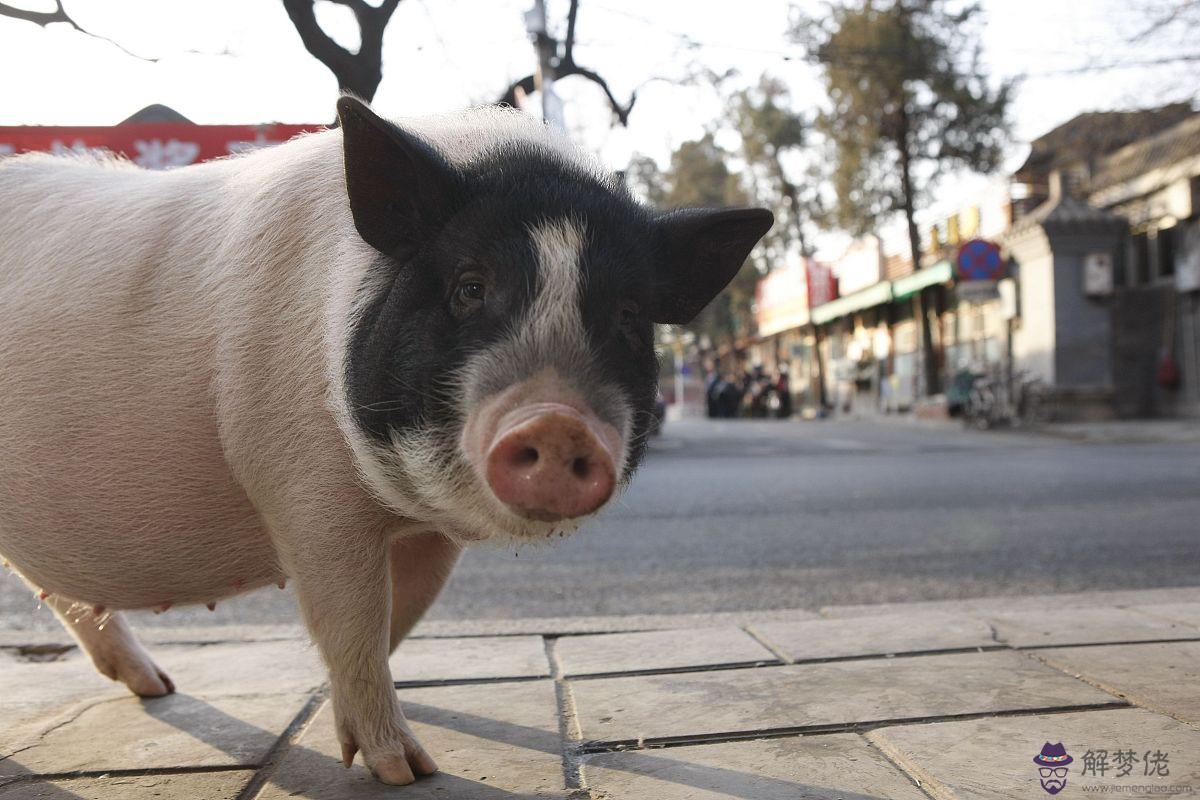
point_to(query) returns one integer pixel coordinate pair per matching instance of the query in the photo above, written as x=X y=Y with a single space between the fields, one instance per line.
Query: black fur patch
x=408 y=342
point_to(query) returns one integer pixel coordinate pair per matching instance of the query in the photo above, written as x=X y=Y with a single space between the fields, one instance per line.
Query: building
x=1099 y=298
x=1109 y=264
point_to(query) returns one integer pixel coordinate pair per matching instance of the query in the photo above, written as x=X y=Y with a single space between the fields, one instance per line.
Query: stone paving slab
x=32 y=689
x=278 y=667
x=198 y=786
x=67 y=694
x=876 y=636
x=1164 y=677
x=992 y=759
x=482 y=657
x=1037 y=603
x=176 y=731
x=830 y=767
x=495 y=740
x=655 y=650
x=1085 y=626
x=837 y=693
x=1187 y=613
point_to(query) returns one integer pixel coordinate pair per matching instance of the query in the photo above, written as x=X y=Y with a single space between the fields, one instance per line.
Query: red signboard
x=155 y=145
x=822 y=283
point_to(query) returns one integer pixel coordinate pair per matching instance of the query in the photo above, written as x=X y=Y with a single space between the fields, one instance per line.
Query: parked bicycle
x=991 y=401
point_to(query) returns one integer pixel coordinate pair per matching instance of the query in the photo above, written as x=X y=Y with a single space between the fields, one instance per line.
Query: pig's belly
x=131 y=532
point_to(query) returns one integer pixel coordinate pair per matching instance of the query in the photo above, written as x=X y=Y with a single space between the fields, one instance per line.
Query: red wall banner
x=154 y=145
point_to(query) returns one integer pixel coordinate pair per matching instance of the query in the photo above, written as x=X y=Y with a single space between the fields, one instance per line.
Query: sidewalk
x=923 y=700
x=1117 y=431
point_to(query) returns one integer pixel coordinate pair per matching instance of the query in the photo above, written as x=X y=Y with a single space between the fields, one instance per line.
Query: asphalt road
x=735 y=515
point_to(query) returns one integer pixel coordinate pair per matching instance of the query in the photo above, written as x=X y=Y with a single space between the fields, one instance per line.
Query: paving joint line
x=896 y=762
x=43 y=777
x=274 y=757
x=569 y=733
x=432 y=683
x=684 y=740
x=1078 y=645
x=925 y=782
x=637 y=673
x=1132 y=700
x=761 y=664
x=771 y=647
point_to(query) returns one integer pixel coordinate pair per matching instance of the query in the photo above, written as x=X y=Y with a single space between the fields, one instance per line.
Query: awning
x=941 y=272
x=875 y=295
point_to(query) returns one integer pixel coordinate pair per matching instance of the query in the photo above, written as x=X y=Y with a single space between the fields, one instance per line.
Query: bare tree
x=562 y=63
x=360 y=72
x=59 y=14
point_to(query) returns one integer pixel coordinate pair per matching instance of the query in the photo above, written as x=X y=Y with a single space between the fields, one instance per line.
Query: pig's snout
x=551 y=467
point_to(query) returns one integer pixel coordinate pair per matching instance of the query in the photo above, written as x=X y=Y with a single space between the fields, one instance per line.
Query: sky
x=240 y=61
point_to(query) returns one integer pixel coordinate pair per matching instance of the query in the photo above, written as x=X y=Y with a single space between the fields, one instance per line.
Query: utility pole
x=546 y=48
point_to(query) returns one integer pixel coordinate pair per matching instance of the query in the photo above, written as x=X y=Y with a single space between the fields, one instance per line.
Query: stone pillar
x=1065 y=335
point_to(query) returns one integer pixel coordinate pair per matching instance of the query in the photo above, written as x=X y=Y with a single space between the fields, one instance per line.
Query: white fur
x=173 y=423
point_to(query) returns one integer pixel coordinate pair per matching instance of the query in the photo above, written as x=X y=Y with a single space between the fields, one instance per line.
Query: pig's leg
x=420 y=565
x=113 y=648
x=342 y=584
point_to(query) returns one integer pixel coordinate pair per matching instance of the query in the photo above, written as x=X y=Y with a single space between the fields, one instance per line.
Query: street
x=736 y=515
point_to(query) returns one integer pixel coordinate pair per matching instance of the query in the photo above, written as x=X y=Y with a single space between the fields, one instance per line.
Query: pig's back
x=112 y=475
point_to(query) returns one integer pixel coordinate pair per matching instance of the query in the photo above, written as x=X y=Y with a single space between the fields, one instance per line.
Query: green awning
x=875 y=295
x=909 y=285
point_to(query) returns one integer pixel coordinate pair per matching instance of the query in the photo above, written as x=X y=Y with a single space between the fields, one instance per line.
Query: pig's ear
x=702 y=249
x=400 y=188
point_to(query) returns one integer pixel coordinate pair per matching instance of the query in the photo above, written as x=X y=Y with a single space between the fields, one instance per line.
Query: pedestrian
x=783 y=393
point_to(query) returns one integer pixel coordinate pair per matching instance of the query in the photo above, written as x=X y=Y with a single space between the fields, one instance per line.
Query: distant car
x=660 y=413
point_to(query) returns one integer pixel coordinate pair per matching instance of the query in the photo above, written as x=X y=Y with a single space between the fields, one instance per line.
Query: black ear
x=400 y=188
x=701 y=250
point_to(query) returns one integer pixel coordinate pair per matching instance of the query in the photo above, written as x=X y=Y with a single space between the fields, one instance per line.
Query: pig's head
x=501 y=371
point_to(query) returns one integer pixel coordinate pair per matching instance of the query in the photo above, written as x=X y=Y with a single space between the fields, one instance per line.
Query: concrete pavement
x=919 y=700
x=764 y=514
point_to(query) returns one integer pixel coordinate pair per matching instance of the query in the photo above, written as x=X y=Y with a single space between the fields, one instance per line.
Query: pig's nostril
x=550 y=467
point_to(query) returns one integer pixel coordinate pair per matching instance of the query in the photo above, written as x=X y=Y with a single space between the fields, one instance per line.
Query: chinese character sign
x=154 y=145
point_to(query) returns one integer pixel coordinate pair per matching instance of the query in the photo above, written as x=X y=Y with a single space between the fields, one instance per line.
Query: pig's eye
x=469 y=294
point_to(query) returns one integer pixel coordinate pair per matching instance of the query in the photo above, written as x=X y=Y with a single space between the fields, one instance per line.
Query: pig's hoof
x=394 y=770
x=403 y=767
x=140 y=675
x=152 y=683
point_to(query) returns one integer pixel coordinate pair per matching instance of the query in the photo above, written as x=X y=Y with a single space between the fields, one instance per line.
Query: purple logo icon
x=1052 y=767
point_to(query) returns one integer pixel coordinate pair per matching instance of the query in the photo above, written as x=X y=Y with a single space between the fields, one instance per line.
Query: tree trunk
x=924 y=299
x=357 y=73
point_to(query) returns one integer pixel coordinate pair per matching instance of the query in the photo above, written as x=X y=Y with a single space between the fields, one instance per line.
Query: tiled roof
x=1095 y=134
x=1066 y=212
x=1169 y=147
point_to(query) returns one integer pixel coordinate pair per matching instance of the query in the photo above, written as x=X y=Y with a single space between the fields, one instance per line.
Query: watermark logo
x=1052 y=767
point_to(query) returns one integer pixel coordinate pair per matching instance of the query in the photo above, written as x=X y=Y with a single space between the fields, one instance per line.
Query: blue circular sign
x=979 y=260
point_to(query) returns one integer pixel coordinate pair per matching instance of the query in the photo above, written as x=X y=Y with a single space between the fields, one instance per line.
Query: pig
x=335 y=362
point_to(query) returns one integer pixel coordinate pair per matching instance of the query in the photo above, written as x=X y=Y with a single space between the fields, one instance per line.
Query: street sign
x=977 y=291
x=979 y=260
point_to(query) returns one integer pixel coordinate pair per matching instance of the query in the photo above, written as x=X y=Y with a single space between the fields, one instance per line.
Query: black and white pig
x=336 y=361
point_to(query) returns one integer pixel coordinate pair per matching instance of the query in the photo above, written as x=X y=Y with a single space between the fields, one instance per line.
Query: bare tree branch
x=1181 y=9
x=619 y=111
x=59 y=14
x=569 y=44
x=358 y=73
x=565 y=67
